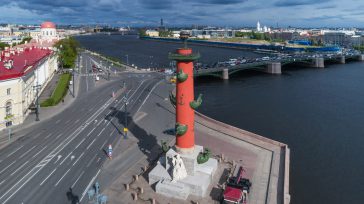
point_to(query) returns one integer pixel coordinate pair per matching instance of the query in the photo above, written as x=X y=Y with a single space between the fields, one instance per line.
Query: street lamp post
x=150 y=58
x=61 y=47
x=37 y=102
x=126 y=116
x=73 y=83
x=127 y=59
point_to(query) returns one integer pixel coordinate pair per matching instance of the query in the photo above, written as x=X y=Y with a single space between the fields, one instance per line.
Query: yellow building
x=22 y=70
x=152 y=33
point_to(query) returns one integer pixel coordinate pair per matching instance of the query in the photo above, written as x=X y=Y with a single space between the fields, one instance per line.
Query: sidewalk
x=49 y=89
x=45 y=113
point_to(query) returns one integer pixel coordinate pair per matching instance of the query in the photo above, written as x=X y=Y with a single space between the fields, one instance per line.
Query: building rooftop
x=18 y=62
x=48 y=24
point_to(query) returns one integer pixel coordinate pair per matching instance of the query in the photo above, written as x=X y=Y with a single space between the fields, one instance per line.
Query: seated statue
x=179 y=171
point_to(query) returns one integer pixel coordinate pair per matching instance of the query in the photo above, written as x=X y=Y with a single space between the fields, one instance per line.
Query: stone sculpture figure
x=179 y=171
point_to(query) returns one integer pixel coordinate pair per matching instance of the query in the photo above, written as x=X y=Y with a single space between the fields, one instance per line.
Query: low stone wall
x=259 y=141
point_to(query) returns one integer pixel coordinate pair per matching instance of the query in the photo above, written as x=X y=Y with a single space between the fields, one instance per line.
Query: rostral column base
x=185 y=150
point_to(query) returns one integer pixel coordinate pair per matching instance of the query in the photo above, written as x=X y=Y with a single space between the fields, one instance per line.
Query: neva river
x=319 y=113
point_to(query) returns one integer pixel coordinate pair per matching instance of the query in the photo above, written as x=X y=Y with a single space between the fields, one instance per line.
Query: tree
x=26 y=39
x=67 y=51
x=142 y=33
x=165 y=33
x=3 y=45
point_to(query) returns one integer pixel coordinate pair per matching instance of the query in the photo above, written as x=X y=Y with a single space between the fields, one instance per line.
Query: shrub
x=59 y=93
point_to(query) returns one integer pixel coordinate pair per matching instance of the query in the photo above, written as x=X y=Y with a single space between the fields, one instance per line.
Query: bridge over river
x=275 y=66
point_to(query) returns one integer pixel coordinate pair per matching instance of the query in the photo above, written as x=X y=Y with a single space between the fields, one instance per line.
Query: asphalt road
x=57 y=160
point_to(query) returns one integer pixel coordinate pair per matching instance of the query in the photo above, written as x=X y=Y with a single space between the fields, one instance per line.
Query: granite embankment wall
x=279 y=180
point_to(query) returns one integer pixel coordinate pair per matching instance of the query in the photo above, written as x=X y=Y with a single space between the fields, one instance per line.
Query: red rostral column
x=184 y=99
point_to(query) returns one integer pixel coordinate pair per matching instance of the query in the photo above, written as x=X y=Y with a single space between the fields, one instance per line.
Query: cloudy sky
x=303 y=13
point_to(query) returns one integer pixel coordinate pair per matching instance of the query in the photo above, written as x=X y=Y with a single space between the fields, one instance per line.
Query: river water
x=319 y=113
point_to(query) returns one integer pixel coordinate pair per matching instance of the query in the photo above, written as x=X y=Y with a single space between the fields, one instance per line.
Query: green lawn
x=59 y=93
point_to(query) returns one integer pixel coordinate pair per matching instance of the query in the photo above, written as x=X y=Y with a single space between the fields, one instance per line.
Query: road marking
x=67 y=121
x=99 y=123
x=91 y=132
x=59 y=135
x=62 y=177
x=19 y=168
x=14 y=151
x=91 y=160
x=80 y=143
x=58 y=158
x=39 y=151
x=91 y=143
x=7 y=167
x=112 y=133
x=27 y=152
x=48 y=136
x=103 y=145
x=58 y=121
x=65 y=158
x=88 y=186
x=141 y=92
x=26 y=178
x=2 y=181
x=101 y=132
x=77 y=120
x=73 y=185
x=78 y=158
x=148 y=95
x=48 y=176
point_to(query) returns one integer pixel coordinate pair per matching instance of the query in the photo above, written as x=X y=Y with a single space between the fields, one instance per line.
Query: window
x=9 y=123
x=8 y=108
x=8 y=91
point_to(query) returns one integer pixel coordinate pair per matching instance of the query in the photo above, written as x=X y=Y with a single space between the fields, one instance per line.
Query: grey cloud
x=290 y=3
x=160 y=4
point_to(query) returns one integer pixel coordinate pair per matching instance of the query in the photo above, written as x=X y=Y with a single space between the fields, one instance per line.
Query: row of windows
x=49 y=33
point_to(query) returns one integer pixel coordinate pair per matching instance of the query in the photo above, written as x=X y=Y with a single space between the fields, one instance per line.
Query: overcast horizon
x=231 y=13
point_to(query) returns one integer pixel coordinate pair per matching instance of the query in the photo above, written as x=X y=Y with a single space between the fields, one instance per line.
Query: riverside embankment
x=317 y=112
x=266 y=161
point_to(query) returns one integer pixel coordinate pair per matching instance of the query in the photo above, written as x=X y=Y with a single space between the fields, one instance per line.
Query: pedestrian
x=62 y=100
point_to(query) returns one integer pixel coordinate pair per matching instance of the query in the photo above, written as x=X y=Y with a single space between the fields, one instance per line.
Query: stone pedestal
x=199 y=176
x=189 y=160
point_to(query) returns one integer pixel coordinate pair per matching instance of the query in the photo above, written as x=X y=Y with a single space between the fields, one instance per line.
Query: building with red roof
x=22 y=68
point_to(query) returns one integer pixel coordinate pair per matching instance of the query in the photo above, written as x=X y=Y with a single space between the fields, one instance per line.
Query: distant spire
x=258 y=27
x=161 y=22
